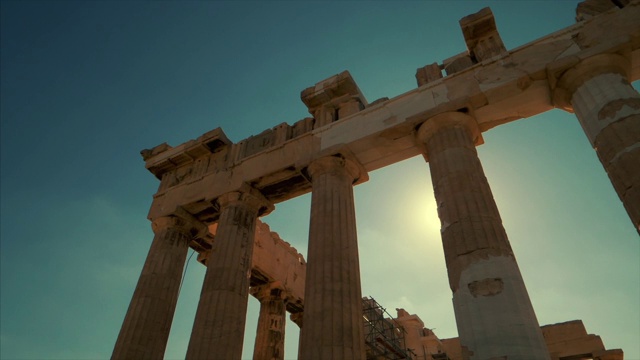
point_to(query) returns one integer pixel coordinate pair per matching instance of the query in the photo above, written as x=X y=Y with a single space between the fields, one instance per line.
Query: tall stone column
x=608 y=108
x=146 y=326
x=269 y=343
x=297 y=319
x=494 y=315
x=218 y=330
x=333 y=326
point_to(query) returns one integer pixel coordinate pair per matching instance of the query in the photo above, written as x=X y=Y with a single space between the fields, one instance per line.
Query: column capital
x=272 y=290
x=335 y=164
x=449 y=119
x=183 y=221
x=177 y=222
x=246 y=196
x=570 y=80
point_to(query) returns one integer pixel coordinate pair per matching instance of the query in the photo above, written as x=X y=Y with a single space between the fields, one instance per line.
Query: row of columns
x=494 y=314
x=218 y=330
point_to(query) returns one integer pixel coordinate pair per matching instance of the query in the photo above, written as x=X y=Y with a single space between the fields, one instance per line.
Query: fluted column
x=218 y=329
x=608 y=109
x=146 y=326
x=333 y=326
x=269 y=343
x=494 y=315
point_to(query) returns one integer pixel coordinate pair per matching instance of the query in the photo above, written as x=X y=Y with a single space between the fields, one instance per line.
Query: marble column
x=608 y=108
x=146 y=326
x=333 y=326
x=269 y=343
x=218 y=329
x=297 y=319
x=494 y=315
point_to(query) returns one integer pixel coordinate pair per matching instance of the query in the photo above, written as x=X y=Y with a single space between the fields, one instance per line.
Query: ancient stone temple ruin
x=213 y=191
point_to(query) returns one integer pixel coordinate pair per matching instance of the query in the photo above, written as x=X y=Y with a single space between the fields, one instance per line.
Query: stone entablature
x=504 y=87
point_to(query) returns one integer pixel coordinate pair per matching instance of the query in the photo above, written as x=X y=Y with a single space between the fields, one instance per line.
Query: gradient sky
x=86 y=85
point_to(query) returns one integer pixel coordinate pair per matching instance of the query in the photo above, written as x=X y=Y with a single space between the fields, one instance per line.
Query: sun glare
x=425 y=213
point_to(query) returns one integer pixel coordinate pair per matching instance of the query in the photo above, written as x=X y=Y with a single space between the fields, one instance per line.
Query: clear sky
x=86 y=85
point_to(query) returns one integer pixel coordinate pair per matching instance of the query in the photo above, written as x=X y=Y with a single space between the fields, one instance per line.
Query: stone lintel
x=384 y=134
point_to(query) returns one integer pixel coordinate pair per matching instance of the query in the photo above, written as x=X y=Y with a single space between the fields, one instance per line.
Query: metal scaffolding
x=383 y=335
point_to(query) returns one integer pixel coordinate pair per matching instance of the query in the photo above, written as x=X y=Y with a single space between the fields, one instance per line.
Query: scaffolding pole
x=384 y=337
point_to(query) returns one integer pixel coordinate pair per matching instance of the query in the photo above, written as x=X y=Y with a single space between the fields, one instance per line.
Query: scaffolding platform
x=383 y=336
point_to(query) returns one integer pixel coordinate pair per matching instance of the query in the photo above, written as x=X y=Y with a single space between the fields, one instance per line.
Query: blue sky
x=86 y=85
